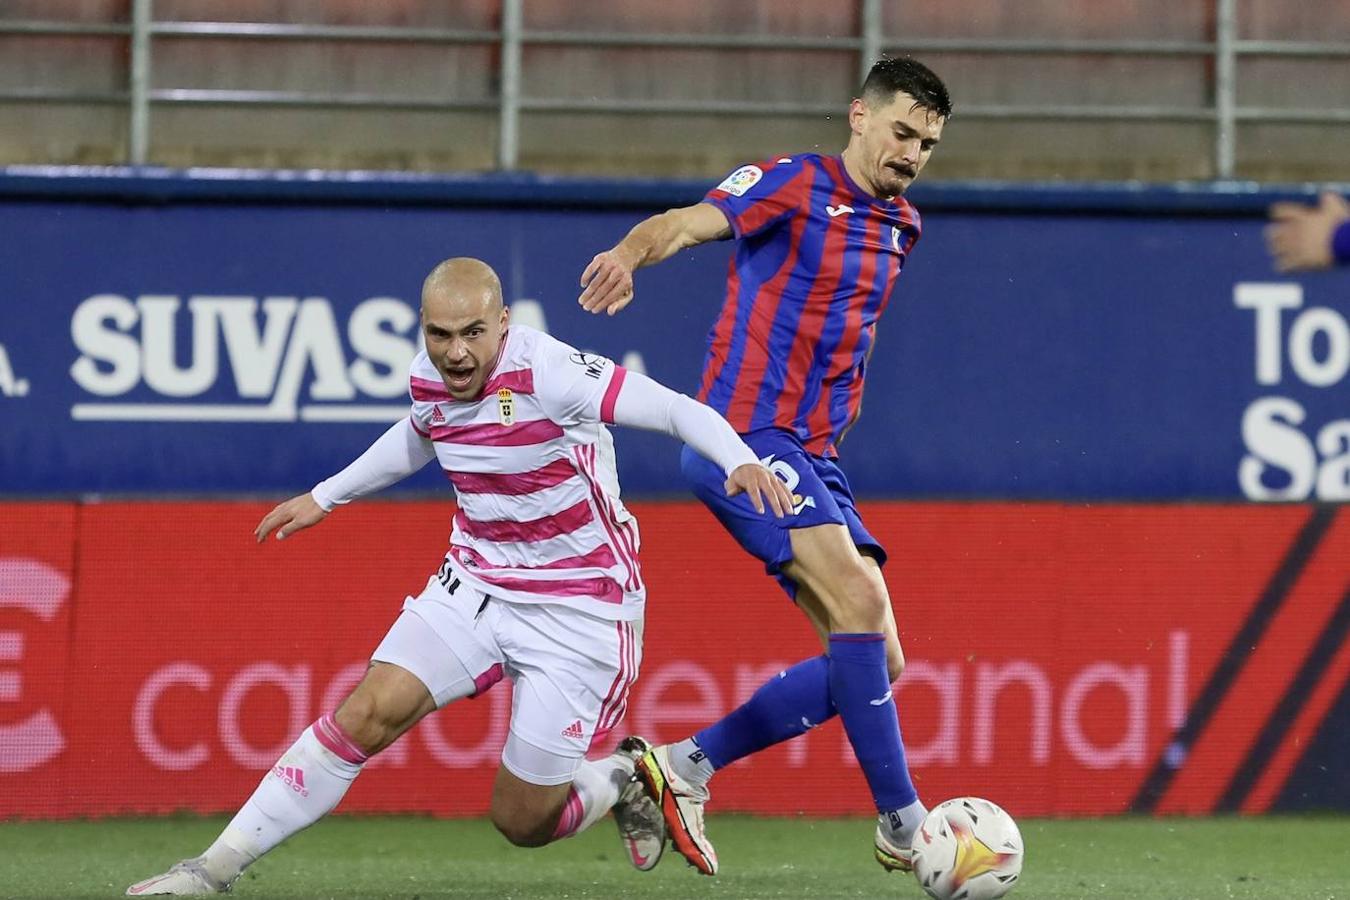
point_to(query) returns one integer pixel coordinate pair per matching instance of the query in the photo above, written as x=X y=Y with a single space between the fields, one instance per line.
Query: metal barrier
x=144 y=31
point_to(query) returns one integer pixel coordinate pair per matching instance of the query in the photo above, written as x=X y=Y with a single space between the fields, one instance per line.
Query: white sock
x=902 y=823
x=691 y=763
x=304 y=786
x=595 y=789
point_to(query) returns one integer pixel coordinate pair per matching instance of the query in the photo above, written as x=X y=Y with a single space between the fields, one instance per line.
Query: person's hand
x=607 y=283
x=1299 y=236
x=758 y=483
x=289 y=517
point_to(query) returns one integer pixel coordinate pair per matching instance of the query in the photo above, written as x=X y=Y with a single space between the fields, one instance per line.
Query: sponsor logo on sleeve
x=742 y=180
x=593 y=363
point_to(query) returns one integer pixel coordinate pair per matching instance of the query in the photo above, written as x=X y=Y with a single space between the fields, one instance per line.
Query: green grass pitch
x=419 y=859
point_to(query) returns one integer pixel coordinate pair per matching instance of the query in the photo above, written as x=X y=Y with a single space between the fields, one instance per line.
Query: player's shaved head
x=457 y=285
x=463 y=323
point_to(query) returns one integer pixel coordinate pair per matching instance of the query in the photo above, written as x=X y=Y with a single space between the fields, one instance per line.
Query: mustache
x=907 y=171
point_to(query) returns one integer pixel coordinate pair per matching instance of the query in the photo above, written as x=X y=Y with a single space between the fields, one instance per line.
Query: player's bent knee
x=385 y=704
x=522 y=827
x=358 y=718
x=851 y=598
x=520 y=834
x=861 y=605
x=526 y=813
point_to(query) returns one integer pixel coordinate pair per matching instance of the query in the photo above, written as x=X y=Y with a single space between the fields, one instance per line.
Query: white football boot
x=893 y=858
x=184 y=879
x=682 y=805
x=641 y=825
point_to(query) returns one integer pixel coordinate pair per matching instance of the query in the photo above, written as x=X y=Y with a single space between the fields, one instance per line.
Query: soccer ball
x=967 y=849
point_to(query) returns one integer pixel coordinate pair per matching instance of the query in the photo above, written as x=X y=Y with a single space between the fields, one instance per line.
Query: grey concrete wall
x=667 y=144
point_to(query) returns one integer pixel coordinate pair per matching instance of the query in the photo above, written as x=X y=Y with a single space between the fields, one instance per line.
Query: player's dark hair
x=890 y=75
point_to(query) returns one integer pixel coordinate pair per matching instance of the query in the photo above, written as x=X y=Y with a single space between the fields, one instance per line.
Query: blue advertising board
x=193 y=345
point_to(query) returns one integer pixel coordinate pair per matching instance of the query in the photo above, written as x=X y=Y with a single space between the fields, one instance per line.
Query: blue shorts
x=818 y=485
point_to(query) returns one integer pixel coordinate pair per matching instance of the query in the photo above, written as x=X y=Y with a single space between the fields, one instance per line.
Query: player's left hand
x=759 y=484
x=1299 y=237
x=607 y=283
x=289 y=517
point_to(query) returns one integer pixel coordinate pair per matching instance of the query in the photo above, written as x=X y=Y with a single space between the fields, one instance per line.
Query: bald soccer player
x=541 y=583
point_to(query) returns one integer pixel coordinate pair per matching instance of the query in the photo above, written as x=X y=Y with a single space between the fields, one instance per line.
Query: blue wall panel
x=1066 y=351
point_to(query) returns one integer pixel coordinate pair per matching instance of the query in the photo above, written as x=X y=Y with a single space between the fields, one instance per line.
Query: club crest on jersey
x=742 y=180
x=506 y=406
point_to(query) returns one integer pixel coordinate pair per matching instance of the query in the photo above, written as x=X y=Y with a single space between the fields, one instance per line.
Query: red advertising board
x=37 y=585
x=1060 y=658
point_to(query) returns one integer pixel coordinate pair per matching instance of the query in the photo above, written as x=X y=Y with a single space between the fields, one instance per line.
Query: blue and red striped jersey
x=816 y=262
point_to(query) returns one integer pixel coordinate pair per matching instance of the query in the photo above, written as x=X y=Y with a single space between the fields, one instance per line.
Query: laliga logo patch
x=506 y=406
x=742 y=180
x=895 y=238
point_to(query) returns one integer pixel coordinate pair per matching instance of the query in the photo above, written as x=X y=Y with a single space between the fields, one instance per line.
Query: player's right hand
x=289 y=517
x=759 y=484
x=607 y=283
x=1299 y=237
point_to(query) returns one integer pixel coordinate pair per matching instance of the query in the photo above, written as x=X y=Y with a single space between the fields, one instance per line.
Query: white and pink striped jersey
x=532 y=463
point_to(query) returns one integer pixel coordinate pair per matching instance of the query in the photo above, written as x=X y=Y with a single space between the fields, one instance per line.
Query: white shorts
x=571 y=671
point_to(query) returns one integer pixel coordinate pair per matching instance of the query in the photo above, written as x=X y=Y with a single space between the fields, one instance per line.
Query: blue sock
x=789 y=704
x=861 y=689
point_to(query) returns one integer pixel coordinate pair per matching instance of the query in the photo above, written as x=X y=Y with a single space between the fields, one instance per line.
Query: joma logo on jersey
x=287 y=359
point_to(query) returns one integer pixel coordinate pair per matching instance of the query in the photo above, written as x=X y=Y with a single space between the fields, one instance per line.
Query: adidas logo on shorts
x=573 y=731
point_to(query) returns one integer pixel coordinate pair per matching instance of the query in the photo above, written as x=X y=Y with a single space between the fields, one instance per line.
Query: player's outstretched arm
x=395 y=455
x=607 y=283
x=1303 y=238
x=286 y=518
x=644 y=403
